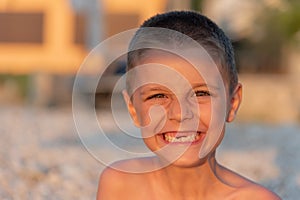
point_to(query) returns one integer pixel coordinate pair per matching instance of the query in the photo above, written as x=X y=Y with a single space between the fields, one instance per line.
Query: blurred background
x=43 y=44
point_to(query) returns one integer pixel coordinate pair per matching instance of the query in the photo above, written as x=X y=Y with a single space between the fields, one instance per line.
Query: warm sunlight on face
x=172 y=103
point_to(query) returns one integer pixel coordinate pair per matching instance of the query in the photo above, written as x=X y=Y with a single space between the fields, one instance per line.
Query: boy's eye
x=156 y=96
x=201 y=93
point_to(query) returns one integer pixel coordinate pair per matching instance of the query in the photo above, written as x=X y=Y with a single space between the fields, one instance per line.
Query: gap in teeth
x=188 y=138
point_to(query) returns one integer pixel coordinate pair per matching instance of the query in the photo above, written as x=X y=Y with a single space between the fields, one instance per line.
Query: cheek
x=212 y=112
x=149 y=115
x=153 y=120
x=141 y=111
x=151 y=143
x=205 y=112
x=143 y=116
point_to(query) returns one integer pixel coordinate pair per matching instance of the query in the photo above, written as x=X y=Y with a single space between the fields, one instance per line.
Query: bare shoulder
x=257 y=192
x=109 y=184
x=245 y=188
x=114 y=182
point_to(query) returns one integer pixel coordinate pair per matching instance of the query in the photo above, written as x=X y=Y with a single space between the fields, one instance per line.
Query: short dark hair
x=195 y=26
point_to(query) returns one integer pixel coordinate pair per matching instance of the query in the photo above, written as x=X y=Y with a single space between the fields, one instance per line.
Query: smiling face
x=175 y=107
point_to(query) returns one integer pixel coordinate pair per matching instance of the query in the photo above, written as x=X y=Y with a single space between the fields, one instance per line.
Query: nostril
x=179 y=111
x=174 y=111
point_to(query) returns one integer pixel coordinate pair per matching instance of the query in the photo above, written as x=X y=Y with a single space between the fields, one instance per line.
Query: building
x=49 y=39
x=52 y=36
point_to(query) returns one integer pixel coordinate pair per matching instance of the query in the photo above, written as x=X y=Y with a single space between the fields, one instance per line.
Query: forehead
x=164 y=67
x=174 y=62
x=189 y=63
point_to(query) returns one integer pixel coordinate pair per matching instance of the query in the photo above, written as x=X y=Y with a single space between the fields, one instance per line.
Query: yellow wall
x=144 y=8
x=59 y=53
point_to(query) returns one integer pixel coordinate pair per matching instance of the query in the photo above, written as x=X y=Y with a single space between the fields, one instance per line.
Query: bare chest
x=147 y=190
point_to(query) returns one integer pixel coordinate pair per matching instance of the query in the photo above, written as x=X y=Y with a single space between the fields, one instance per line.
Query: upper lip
x=182 y=133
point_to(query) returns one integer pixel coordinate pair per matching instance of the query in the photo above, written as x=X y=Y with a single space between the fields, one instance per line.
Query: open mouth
x=182 y=137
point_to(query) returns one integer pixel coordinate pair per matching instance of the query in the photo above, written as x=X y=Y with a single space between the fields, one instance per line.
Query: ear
x=130 y=108
x=234 y=104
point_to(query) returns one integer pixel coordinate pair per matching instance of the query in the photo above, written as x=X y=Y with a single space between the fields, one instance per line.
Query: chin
x=185 y=162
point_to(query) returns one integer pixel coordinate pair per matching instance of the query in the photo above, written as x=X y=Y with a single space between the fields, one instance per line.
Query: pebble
x=41 y=156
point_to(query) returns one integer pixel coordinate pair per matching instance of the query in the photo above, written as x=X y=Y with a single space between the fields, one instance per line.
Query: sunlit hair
x=195 y=26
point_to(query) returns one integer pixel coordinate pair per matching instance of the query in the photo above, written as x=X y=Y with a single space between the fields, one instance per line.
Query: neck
x=190 y=181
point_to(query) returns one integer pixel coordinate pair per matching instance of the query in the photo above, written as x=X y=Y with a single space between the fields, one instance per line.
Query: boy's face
x=181 y=114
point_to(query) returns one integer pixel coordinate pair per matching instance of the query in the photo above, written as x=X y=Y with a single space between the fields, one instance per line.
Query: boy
x=181 y=100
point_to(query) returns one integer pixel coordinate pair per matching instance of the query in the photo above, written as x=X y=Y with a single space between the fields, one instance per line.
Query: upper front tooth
x=189 y=138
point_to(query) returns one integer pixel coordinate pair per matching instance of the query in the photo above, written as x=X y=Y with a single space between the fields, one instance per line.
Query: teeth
x=189 y=138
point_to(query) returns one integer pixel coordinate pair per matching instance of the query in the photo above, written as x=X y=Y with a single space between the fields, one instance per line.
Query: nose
x=179 y=111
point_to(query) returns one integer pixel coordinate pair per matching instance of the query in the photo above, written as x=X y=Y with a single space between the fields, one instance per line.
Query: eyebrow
x=161 y=89
x=204 y=85
x=153 y=89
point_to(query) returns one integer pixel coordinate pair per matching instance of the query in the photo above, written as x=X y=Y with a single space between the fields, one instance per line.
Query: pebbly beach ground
x=43 y=157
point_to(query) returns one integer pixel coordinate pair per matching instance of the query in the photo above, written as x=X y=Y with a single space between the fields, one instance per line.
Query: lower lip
x=199 y=140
